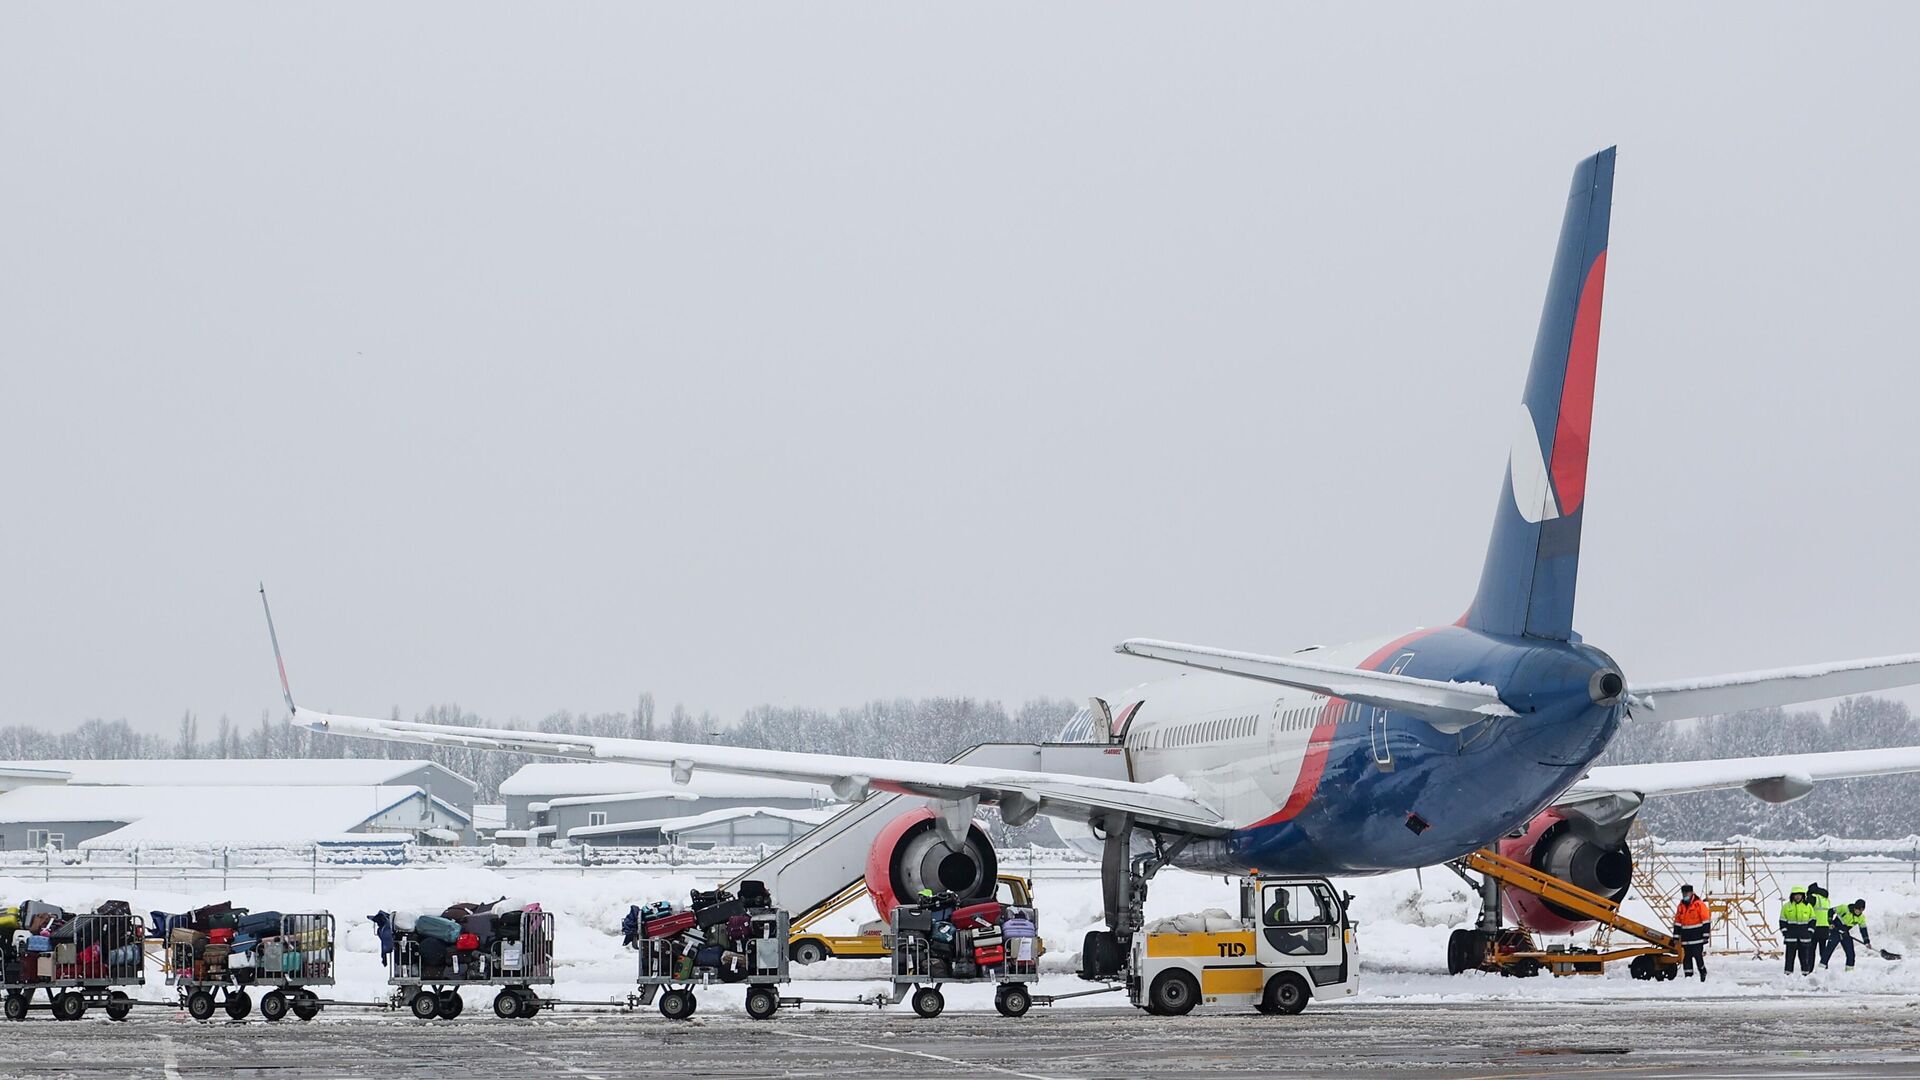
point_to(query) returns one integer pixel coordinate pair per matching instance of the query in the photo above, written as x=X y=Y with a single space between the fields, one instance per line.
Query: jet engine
x=1572 y=850
x=910 y=855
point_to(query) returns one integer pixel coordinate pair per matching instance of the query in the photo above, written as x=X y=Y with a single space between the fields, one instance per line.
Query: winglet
x=286 y=691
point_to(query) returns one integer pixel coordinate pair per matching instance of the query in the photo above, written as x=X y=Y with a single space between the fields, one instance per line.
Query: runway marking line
x=169 y=1061
x=913 y=1053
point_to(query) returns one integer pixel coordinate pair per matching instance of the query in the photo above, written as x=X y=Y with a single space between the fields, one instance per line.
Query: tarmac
x=1845 y=1035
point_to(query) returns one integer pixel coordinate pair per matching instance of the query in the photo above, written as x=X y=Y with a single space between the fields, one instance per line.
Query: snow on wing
x=1789 y=774
x=1061 y=795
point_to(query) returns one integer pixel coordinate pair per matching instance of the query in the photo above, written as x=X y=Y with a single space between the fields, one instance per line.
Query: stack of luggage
x=715 y=934
x=466 y=941
x=42 y=942
x=965 y=941
x=222 y=943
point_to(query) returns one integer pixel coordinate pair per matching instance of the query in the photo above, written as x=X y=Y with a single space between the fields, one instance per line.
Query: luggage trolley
x=920 y=968
x=516 y=966
x=293 y=961
x=88 y=959
x=671 y=967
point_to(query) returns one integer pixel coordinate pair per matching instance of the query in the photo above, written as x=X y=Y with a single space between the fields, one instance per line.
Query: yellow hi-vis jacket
x=1822 y=911
x=1796 y=915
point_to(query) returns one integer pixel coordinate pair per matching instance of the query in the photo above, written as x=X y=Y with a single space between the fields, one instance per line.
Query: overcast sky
x=536 y=356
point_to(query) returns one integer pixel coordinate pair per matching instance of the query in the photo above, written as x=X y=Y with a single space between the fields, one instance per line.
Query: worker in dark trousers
x=1691 y=924
x=1848 y=925
x=1822 y=920
x=1796 y=931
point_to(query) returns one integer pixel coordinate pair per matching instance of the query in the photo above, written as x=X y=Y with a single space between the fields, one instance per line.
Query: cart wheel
x=274 y=1005
x=928 y=1002
x=1286 y=994
x=425 y=1005
x=69 y=1006
x=677 y=1004
x=809 y=952
x=450 y=1003
x=306 y=1006
x=530 y=1006
x=200 y=1005
x=763 y=1002
x=17 y=1004
x=239 y=1005
x=1174 y=993
x=118 y=1006
x=506 y=1005
x=1013 y=1000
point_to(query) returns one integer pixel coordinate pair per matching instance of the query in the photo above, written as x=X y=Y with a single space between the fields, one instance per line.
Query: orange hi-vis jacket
x=1692 y=919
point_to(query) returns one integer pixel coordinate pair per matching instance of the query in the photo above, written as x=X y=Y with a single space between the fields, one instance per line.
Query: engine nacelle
x=909 y=855
x=1551 y=844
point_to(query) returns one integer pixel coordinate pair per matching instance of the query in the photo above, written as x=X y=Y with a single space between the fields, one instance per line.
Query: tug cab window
x=1298 y=920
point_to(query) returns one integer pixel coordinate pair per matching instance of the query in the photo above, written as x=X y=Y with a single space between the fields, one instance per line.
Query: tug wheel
x=1174 y=993
x=1286 y=994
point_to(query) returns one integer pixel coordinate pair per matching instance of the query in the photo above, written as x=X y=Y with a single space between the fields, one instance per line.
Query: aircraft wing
x=1448 y=706
x=1780 y=778
x=1713 y=695
x=1019 y=793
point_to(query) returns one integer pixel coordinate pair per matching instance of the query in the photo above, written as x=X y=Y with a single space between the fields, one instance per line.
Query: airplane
x=1399 y=752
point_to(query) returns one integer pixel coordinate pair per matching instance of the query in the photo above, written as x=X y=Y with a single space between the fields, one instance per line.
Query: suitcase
x=914 y=922
x=683 y=968
x=481 y=926
x=466 y=943
x=440 y=929
x=225 y=920
x=983 y=939
x=39 y=943
x=942 y=933
x=975 y=916
x=987 y=955
x=114 y=907
x=709 y=956
x=733 y=966
x=740 y=927
x=259 y=923
x=754 y=894
x=677 y=923
x=659 y=909
x=220 y=935
x=10 y=919
x=433 y=953
x=508 y=925
x=717 y=914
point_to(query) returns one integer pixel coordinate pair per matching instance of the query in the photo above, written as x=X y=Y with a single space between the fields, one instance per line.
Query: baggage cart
x=516 y=966
x=670 y=968
x=291 y=963
x=920 y=969
x=91 y=957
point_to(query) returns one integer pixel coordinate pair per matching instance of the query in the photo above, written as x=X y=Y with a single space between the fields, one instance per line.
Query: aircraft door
x=1276 y=734
x=1301 y=923
x=1377 y=721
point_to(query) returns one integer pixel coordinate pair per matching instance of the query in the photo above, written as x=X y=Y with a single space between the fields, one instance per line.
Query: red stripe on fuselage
x=1575 y=425
x=1315 y=761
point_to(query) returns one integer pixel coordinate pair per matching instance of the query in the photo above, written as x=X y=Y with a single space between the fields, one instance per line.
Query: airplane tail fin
x=1533 y=558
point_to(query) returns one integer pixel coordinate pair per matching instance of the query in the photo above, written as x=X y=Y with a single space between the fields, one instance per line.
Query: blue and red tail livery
x=1533 y=558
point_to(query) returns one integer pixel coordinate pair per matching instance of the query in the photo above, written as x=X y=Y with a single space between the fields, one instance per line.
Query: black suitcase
x=709 y=897
x=717 y=914
x=919 y=922
x=754 y=894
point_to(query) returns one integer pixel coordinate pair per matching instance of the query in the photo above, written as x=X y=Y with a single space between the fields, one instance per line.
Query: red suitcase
x=978 y=916
x=669 y=925
x=990 y=954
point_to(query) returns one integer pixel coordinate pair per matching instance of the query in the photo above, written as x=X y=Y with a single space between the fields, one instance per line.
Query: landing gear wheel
x=763 y=1002
x=677 y=1004
x=17 y=1006
x=810 y=952
x=450 y=1003
x=273 y=1006
x=1459 y=944
x=306 y=1006
x=928 y=1002
x=1286 y=994
x=508 y=1006
x=200 y=1005
x=118 y=1006
x=425 y=1005
x=239 y=1005
x=69 y=1006
x=1013 y=1000
x=1174 y=993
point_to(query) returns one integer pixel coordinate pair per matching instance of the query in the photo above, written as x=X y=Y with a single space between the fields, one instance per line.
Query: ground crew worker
x=1691 y=923
x=1822 y=920
x=1849 y=922
x=1796 y=931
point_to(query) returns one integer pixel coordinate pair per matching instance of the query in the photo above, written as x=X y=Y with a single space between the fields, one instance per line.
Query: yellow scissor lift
x=1513 y=952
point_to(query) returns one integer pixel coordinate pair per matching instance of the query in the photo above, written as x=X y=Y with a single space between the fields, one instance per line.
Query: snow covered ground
x=1404 y=921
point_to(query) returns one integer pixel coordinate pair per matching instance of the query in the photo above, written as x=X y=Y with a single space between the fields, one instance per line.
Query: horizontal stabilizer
x=1715 y=695
x=1448 y=706
x=1777 y=778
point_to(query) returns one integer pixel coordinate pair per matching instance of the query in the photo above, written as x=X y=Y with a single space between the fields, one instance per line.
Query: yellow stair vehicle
x=1294 y=943
x=807 y=945
x=1512 y=950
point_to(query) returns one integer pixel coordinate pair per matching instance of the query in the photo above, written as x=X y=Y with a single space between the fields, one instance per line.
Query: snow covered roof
x=711 y=817
x=219 y=814
x=681 y=794
x=231 y=772
x=566 y=778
